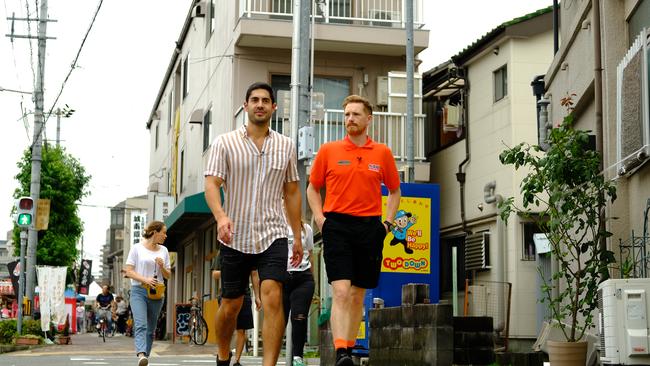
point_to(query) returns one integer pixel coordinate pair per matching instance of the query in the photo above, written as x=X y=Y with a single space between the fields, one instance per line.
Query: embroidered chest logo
x=344 y=162
x=373 y=167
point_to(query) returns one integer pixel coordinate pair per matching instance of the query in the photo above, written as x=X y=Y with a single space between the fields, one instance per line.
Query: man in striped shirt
x=256 y=167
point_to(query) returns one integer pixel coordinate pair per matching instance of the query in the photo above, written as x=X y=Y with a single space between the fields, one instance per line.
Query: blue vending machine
x=411 y=252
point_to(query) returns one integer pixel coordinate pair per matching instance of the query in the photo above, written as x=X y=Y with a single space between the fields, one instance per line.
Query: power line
x=73 y=65
x=29 y=40
x=22 y=96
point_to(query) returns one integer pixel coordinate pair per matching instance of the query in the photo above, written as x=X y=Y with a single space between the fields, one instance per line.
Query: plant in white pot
x=565 y=187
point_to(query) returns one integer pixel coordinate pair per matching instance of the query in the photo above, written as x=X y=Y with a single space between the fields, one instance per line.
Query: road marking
x=163 y=364
x=95 y=363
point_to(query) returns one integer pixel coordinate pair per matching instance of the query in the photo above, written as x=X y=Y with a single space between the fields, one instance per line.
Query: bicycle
x=102 y=326
x=198 y=325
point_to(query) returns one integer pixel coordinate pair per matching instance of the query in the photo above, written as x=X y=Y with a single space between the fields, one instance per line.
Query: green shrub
x=7 y=331
x=32 y=327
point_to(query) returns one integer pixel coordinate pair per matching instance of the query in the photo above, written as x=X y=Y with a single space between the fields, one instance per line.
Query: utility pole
x=301 y=132
x=35 y=188
x=410 y=149
x=65 y=112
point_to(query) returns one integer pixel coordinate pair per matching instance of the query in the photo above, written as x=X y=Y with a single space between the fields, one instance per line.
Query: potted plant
x=565 y=187
x=64 y=336
x=27 y=340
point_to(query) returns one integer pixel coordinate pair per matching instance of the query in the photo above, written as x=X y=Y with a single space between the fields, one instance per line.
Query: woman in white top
x=298 y=292
x=146 y=266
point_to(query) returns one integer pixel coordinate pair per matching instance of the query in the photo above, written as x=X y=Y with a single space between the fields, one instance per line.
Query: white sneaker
x=298 y=361
x=143 y=361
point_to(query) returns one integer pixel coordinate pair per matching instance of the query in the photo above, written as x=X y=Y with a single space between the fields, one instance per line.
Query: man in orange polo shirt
x=352 y=171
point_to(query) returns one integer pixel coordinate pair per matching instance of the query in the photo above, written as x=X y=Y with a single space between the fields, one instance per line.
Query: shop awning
x=190 y=214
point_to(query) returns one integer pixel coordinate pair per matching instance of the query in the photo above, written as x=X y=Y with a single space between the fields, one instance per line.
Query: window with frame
x=213 y=21
x=157 y=136
x=207 y=121
x=500 y=83
x=528 y=249
x=210 y=285
x=335 y=89
x=186 y=76
x=117 y=217
x=182 y=170
x=170 y=111
x=639 y=19
x=438 y=134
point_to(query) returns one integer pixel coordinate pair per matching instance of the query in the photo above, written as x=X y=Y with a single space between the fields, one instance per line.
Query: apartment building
x=127 y=223
x=358 y=47
x=477 y=104
x=603 y=59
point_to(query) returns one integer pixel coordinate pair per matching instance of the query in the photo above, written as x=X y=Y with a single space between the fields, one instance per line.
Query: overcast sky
x=118 y=76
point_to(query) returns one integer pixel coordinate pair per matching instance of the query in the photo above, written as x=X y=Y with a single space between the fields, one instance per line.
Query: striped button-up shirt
x=253 y=186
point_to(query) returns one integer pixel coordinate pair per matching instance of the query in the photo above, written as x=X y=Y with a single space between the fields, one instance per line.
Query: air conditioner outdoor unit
x=623 y=321
x=477 y=251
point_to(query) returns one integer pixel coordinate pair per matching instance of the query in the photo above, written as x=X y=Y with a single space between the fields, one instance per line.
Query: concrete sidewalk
x=90 y=344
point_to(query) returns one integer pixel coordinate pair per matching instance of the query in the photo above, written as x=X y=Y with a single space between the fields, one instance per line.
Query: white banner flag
x=51 y=284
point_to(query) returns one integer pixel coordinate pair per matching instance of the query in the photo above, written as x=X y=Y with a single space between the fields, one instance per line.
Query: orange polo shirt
x=352 y=176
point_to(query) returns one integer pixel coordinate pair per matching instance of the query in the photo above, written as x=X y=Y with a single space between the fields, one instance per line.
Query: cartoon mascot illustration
x=403 y=221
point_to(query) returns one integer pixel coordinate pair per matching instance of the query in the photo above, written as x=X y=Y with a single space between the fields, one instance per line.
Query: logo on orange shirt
x=373 y=167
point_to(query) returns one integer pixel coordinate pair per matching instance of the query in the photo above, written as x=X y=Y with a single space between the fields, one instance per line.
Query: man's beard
x=355 y=130
x=260 y=121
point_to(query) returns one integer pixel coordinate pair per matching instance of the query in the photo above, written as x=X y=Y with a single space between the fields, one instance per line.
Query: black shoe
x=344 y=360
x=224 y=362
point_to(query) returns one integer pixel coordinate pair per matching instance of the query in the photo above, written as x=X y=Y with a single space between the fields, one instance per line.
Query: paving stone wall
x=473 y=340
x=413 y=335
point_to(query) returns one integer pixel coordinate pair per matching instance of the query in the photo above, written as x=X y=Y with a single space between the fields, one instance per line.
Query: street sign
x=25 y=212
x=43 y=214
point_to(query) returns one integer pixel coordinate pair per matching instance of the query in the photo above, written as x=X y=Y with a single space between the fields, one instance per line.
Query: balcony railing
x=379 y=13
x=387 y=128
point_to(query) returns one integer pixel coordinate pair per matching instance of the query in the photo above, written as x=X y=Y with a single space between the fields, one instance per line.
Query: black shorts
x=352 y=248
x=236 y=267
x=245 y=316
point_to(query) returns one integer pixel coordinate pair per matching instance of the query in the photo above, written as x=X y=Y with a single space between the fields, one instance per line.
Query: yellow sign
x=42 y=214
x=362 y=330
x=407 y=248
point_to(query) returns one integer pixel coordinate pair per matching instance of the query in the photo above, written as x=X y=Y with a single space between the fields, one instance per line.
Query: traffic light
x=25 y=212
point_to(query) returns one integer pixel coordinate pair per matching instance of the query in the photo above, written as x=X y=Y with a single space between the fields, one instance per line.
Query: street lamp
x=14 y=91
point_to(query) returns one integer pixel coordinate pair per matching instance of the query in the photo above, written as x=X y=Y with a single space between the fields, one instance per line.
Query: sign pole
x=21 y=281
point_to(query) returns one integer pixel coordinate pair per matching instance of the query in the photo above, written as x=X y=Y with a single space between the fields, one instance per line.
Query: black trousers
x=297 y=293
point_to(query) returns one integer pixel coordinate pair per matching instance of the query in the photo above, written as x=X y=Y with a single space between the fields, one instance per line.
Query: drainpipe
x=556 y=27
x=542 y=111
x=598 y=106
x=460 y=175
x=544 y=125
x=490 y=196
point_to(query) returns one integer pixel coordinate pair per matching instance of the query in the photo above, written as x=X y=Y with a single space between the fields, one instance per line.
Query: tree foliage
x=64 y=181
x=566 y=187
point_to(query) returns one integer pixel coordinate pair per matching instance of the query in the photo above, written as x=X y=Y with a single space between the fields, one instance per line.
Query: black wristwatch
x=389 y=224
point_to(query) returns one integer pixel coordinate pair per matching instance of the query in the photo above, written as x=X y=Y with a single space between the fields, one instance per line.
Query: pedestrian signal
x=25 y=211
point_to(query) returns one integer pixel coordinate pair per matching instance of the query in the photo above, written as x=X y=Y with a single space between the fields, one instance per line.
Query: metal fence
x=380 y=13
x=387 y=128
x=490 y=298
